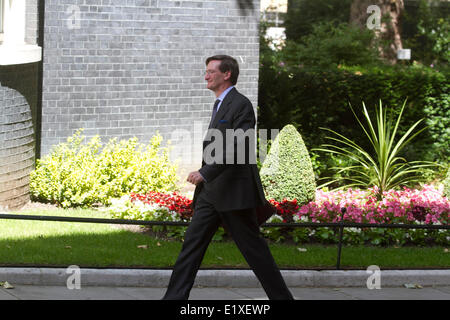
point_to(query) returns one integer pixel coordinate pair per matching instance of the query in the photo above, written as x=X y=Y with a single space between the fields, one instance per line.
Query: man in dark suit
x=228 y=188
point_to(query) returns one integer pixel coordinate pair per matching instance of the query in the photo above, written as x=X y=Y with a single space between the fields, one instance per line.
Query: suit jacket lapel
x=224 y=108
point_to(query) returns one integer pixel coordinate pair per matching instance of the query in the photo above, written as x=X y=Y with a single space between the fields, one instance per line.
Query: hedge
x=79 y=173
x=310 y=98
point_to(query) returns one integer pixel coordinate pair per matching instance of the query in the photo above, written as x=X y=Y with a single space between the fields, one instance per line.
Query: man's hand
x=195 y=177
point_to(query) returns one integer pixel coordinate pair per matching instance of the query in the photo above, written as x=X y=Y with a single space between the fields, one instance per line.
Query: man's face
x=216 y=79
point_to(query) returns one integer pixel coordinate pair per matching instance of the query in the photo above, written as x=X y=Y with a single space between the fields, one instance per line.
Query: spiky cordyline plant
x=382 y=166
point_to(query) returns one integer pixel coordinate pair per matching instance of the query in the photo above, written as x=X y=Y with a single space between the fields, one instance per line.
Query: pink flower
x=397 y=206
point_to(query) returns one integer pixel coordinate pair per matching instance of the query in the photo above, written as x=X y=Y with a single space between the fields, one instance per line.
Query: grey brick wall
x=31 y=21
x=123 y=68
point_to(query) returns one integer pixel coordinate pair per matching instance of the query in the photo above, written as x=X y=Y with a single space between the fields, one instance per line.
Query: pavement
x=75 y=283
x=30 y=292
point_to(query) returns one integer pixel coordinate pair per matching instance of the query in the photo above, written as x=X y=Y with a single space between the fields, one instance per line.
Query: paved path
x=34 y=292
x=150 y=284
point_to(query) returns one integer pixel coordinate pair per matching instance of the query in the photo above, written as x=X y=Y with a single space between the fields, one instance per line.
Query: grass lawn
x=46 y=243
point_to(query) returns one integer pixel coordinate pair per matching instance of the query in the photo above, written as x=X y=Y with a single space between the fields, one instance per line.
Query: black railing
x=341 y=225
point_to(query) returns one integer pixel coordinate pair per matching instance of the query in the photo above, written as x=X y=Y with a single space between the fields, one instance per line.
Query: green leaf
x=381 y=166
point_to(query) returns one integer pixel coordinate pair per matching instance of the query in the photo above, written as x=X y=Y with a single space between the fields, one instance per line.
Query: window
x=13 y=48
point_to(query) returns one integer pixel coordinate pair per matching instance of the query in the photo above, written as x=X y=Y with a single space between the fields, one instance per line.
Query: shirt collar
x=223 y=94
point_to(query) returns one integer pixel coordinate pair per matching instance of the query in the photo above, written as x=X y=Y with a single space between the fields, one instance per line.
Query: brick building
x=117 y=68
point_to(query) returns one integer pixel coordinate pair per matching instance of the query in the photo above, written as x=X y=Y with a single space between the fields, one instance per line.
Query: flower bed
x=408 y=206
x=405 y=206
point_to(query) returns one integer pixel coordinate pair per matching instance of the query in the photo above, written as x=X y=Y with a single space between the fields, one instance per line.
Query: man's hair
x=227 y=63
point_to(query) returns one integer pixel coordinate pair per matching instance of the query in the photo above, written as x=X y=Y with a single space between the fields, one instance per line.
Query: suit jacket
x=229 y=162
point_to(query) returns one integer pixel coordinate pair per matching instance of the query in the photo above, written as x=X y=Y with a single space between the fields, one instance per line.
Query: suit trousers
x=243 y=227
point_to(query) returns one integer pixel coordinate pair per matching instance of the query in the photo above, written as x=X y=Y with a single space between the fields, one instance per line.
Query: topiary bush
x=82 y=174
x=287 y=171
